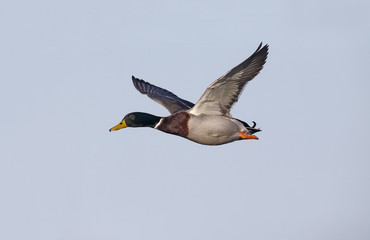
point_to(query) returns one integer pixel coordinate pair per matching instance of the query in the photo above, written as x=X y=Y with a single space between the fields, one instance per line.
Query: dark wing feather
x=162 y=96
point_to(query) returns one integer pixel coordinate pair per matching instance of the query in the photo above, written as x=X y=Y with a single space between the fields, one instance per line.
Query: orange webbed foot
x=246 y=136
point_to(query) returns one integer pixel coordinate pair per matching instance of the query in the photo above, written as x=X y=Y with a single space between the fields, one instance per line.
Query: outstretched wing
x=221 y=95
x=166 y=98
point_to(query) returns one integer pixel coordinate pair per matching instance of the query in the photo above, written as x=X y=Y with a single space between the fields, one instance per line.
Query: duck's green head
x=137 y=119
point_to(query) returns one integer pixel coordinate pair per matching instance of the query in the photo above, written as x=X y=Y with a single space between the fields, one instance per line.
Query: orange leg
x=246 y=136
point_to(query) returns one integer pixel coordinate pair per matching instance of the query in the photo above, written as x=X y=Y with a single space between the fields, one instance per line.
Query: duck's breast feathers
x=177 y=124
x=221 y=95
x=162 y=96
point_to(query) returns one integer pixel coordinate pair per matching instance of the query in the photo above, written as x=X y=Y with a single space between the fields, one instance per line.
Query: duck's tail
x=252 y=129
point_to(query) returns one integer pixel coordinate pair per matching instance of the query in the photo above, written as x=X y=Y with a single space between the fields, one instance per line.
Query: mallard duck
x=208 y=121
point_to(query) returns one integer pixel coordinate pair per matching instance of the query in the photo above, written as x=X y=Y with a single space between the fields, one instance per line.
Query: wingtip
x=266 y=46
x=259 y=46
x=135 y=81
x=262 y=51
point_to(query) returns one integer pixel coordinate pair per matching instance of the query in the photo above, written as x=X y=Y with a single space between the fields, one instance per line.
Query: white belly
x=213 y=130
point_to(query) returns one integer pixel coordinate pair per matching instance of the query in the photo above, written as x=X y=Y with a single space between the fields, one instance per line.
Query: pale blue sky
x=65 y=79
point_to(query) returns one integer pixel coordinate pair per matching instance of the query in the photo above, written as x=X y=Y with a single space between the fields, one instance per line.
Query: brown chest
x=175 y=124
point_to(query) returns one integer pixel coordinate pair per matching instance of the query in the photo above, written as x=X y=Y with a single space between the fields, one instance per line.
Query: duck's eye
x=132 y=116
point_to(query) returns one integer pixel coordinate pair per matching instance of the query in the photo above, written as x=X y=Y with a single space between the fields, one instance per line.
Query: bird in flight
x=208 y=121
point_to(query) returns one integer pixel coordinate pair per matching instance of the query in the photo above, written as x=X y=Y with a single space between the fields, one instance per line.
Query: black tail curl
x=252 y=129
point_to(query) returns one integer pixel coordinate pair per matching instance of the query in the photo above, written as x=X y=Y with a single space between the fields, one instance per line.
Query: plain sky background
x=65 y=79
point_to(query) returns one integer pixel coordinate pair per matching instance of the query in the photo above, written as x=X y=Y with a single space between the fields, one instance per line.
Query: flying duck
x=208 y=121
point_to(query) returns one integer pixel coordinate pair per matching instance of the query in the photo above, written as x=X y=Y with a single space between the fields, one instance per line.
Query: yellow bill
x=118 y=126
